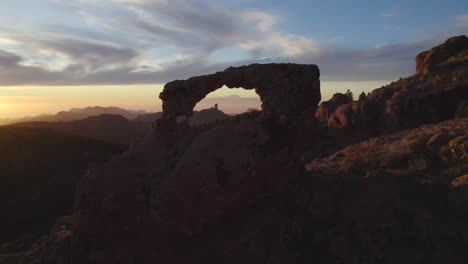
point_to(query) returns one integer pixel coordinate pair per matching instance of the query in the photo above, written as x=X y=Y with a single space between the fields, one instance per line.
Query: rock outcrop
x=430 y=96
x=327 y=108
x=444 y=57
x=284 y=89
x=242 y=162
x=387 y=200
x=177 y=183
x=239 y=193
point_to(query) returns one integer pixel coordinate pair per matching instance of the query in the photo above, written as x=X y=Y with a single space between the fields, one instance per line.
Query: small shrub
x=350 y=95
x=462 y=110
x=363 y=96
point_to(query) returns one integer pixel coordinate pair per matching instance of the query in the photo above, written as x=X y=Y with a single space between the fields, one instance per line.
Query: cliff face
x=240 y=193
x=430 y=96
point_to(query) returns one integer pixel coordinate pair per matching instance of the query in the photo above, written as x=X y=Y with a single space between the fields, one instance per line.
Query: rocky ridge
x=430 y=96
x=399 y=198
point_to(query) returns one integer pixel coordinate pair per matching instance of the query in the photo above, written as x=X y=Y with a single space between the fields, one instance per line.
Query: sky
x=60 y=54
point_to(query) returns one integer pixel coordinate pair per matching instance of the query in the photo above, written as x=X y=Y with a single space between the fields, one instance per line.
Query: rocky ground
x=384 y=180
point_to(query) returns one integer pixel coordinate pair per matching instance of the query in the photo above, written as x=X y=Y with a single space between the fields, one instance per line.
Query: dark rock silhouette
x=240 y=193
x=162 y=188
x=106 y=127
x=207 y=116
x=39 y=170
x=283 y=89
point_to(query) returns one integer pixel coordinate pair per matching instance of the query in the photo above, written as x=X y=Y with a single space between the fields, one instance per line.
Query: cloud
x=462 y=19
x=12 y=73
x=155 y=41
x=192 y=30
x=92 y=54
x=383 y=62
x=8 y=59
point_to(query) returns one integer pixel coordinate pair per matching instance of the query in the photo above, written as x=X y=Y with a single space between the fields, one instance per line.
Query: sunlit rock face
x=327 y=108
x=431 y=95
x=448 y=55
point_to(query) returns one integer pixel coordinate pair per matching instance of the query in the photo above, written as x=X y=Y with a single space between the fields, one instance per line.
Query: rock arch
x=284 y=89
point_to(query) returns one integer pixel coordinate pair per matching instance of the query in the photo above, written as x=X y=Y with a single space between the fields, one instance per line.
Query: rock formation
x=177 y=182
x=284 y=89
x=239 y=193
x=444 y=57
x=327 y=108
x=394 y=199
x=430 y=96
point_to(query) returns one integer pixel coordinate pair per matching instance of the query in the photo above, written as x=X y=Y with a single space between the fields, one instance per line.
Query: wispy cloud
x=391 y=12
x=462 y=19
x=154 y=41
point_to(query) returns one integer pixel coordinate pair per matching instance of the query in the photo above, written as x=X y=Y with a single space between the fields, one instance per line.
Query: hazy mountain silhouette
x=116 y=128
x=76 y=114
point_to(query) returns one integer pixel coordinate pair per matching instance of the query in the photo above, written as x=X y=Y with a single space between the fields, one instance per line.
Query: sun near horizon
x=60 y=54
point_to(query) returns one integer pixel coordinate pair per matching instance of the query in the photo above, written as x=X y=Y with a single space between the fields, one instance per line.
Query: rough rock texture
x=140 y=206
x=289 y=94
x=443 y=56
x=390 y=200
x=405 y=212
x=284 y=89
x=430 y=96
x=239 y=194
x=426 y=151
x=327 y=108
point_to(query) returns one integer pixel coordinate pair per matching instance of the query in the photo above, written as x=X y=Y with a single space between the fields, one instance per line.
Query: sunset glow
x=63 y=54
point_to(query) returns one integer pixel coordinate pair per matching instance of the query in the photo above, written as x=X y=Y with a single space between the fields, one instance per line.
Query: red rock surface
x=239 y=193
x=446 y=55
x=327 y=108
x=386 y=200
x=430 y=96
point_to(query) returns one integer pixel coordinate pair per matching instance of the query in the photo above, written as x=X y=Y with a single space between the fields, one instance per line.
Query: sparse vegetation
x=462 y=110
x=250 y=114
x=350 y=95
x=362 y=96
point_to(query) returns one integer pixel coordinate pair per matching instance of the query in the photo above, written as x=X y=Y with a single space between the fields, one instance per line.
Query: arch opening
x=223 y=105
x=287 y=92
x=230 y=101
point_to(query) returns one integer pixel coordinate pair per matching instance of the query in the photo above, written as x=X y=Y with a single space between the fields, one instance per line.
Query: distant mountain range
x=111 y=124
x=77 y=114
